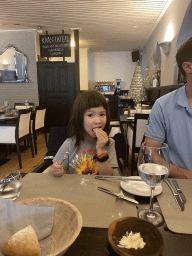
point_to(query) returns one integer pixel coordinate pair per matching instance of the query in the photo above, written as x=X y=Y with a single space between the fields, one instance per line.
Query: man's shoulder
x=170 y=97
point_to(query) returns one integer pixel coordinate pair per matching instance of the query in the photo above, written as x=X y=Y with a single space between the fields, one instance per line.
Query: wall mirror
x=13 y=66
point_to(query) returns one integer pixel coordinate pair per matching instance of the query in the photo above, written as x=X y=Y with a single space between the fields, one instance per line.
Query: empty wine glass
x=26 y=103
x=153 y=165
x=6 y=105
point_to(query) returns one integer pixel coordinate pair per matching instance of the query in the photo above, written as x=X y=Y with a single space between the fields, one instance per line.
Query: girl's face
x=94 y=118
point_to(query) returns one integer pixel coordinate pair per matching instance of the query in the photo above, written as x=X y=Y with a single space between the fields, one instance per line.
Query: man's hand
x=57 y=169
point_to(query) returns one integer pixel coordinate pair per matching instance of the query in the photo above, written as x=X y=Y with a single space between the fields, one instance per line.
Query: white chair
x=135 y=136
x=115 y=128
x=16 y=133
x=38 y=124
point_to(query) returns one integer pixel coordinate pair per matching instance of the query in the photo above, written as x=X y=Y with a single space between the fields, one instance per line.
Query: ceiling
x=104 y=25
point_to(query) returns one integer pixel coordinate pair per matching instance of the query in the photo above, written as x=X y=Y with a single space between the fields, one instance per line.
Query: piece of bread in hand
x=22 y=243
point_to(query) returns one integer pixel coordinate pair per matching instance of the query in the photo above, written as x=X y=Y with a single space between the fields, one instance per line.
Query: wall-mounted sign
x=55 y=45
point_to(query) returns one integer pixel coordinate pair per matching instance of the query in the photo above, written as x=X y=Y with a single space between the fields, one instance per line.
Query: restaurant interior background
x=176 y=23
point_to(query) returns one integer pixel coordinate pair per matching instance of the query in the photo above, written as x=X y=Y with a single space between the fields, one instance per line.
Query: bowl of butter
x=131 y=236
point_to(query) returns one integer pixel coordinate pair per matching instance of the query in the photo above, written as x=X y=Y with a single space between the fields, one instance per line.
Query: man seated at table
x=170 y=120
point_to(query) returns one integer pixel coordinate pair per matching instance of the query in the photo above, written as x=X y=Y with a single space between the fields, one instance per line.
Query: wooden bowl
x=150 y=234
x=67 y=222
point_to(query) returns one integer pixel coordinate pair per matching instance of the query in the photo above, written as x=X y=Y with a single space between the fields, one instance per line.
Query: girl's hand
x=57 y=169
x=102 y=139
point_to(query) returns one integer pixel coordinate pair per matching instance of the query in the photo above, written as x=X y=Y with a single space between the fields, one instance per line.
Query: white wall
x=83 y=68
x=23 y=41
x=109 y=66
x=173 y=17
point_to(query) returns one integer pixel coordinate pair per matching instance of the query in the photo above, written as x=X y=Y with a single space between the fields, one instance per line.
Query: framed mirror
x=13 y=66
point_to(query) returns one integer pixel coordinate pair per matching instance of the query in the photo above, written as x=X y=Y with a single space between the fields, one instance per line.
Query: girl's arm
x=57 y=169
x=104 y=168
x=57 y=166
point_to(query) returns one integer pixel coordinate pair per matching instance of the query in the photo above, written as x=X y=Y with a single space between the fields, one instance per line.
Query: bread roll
x=22 y=243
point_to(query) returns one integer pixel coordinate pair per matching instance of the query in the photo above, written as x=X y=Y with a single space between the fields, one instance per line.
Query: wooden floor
x=29 y=163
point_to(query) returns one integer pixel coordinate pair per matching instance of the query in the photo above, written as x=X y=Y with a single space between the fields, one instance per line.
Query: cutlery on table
x=115 y=178
x=179 y=191
x=176 y=196
x=120 y=195
x=65 y=157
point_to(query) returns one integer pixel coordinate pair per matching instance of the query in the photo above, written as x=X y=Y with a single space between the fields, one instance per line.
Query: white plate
x=139 y=188
x=130 y=117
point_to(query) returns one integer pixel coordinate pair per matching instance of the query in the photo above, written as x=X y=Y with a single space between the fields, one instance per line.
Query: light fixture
x=72 y=43
x=166 y=47
x=5 y=64
x=39 y=30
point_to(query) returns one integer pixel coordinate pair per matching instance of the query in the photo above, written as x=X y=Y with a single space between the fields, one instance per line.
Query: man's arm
x=176 y=171
x=180 y=173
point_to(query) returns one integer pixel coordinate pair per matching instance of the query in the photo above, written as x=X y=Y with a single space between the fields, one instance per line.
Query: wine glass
x=26 y=103
x=153 y=165
x=6 y=105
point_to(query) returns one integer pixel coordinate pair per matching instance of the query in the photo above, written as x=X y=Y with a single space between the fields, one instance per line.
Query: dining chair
x=114 y=115
x=135 y=135
x=120 y=148
x=18 y=132
x=38 y=124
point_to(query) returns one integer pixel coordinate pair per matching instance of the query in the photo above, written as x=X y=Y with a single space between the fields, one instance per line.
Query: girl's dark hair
x=86 y=100
x=184 y=53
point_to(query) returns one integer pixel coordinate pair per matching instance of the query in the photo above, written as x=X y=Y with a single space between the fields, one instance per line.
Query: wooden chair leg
x=19 y=154
x=9 y=149
x=25 y=144
x=35 y=141
x=5 y=150
x=132 y=163
x=31 y=144
x=127 y=156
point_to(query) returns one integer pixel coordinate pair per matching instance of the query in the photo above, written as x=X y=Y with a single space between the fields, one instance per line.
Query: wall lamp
x=166 y=47
x=39 y=30
x=5 y=64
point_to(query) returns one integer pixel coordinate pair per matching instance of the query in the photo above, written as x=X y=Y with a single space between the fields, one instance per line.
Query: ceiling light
x=76 y=29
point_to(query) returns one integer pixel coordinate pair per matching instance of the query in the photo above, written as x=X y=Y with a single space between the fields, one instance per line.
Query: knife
x=176 y=196
x=117 y=195
x=182 y=196
x=115 y=178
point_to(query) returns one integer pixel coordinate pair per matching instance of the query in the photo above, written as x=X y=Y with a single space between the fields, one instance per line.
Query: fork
x=65 y=157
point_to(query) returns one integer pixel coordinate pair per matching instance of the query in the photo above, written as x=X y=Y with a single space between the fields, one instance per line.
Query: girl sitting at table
x=89 y=150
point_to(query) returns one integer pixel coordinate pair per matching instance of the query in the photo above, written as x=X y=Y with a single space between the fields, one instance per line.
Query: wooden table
x=98 y=210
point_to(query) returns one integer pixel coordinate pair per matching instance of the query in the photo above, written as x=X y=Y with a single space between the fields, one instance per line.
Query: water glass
x=10 y=184
x=153 y=166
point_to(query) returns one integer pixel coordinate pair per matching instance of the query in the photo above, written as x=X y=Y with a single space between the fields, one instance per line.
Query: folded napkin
x=15 y=217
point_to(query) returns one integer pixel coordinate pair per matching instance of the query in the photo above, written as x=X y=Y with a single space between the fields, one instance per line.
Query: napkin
x=15 y=217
